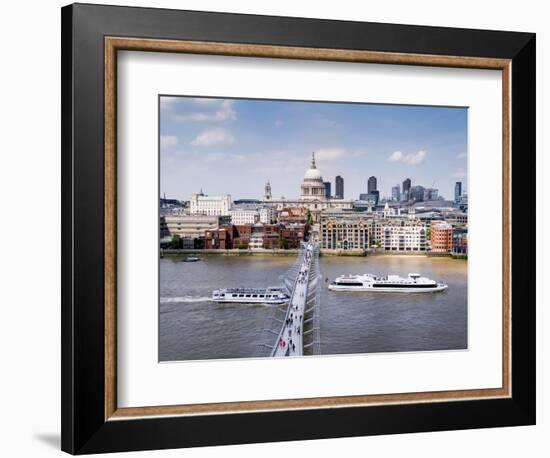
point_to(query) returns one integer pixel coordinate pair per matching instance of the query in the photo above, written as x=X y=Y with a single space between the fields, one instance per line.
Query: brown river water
x=192 y=327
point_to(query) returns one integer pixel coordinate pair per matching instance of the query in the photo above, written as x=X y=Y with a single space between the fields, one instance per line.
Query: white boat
x=414 y=283
x=271 y=295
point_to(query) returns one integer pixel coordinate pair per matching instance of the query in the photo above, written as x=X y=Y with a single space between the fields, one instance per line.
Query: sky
x=234 y=146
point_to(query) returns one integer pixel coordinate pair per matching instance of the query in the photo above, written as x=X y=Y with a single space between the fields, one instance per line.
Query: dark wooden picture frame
x=91 y=37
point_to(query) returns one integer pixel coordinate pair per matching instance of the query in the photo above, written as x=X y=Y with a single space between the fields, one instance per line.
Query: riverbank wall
x=232 y=252
x=293 y=252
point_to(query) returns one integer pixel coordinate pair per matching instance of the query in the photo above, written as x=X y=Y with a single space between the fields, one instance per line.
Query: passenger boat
x=272 y=295
x=414 y=283
x=191 y=259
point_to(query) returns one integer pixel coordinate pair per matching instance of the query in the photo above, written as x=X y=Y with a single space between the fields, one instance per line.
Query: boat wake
x=184 y=299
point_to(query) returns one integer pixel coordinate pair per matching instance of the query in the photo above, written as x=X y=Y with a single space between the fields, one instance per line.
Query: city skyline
x=254 y=141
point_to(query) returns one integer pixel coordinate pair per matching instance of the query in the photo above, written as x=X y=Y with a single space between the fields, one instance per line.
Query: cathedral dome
x=313 y=186
x=313 y=174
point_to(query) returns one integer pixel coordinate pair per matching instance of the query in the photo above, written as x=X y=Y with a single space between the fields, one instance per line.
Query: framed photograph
x=281 y=228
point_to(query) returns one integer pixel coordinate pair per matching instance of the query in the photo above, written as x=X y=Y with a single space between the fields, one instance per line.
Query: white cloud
x=329 y=154
x=396 y=156
x=213 y=137
x=167 y=141
x=215 y=157
x=411 y=158
x=462 y=156
x=223 y=112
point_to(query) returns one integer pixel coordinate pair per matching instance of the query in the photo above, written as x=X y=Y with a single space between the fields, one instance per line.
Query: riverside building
x=201 y=204
x=402 y=235
x=252 y=214
x=460 y=242
x=441 y=237
x=187 y=226
x=348 y=230
x=345 y=231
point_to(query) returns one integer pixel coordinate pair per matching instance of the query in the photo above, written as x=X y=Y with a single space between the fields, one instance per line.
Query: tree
x=176 y=242
x=284 y=243
x=309 y=218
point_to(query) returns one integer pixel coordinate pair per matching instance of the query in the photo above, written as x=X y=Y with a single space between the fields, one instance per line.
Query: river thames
x=192 y=327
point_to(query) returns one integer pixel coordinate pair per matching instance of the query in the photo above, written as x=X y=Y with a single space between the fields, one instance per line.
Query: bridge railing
x=289 y=307
x=312 y=337
x=270 y=333
x=273 y=328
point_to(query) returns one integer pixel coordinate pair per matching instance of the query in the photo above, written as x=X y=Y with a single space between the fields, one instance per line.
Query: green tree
x=309 y=218
x=176 y=242
x=284 y=243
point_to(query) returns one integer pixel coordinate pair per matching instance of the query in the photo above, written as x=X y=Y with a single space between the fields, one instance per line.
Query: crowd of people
x=293 y=321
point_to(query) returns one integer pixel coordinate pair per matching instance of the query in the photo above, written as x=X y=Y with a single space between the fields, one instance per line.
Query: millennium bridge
x=294 y=330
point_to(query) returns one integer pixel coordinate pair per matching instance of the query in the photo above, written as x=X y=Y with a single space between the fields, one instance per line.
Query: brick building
x=292 y=235
x=460 y=242
x=293 y=215
x=219 y=239
x=441 y=237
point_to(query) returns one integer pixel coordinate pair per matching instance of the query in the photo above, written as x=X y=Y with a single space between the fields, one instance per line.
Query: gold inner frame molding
x=114 y=44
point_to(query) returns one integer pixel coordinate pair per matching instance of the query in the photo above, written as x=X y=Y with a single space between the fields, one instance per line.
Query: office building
x=328 y=189
x=460 y=242
x=401 y=235
x=201 y=204
x=431 y=194
x=345 y=231
x=187 y=226
x=416 y=193
x=458 y=191
x=339 y=185
x=395 y=193
x=252 y=214
x=371 y=185
x=406 y=186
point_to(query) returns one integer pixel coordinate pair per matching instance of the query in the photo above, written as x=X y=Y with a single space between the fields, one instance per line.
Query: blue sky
x=235 y=145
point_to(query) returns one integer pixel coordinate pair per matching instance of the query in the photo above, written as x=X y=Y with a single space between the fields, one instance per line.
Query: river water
x=193 y=327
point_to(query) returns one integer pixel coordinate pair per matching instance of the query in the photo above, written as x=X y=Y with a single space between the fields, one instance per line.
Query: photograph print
x=309 y=228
